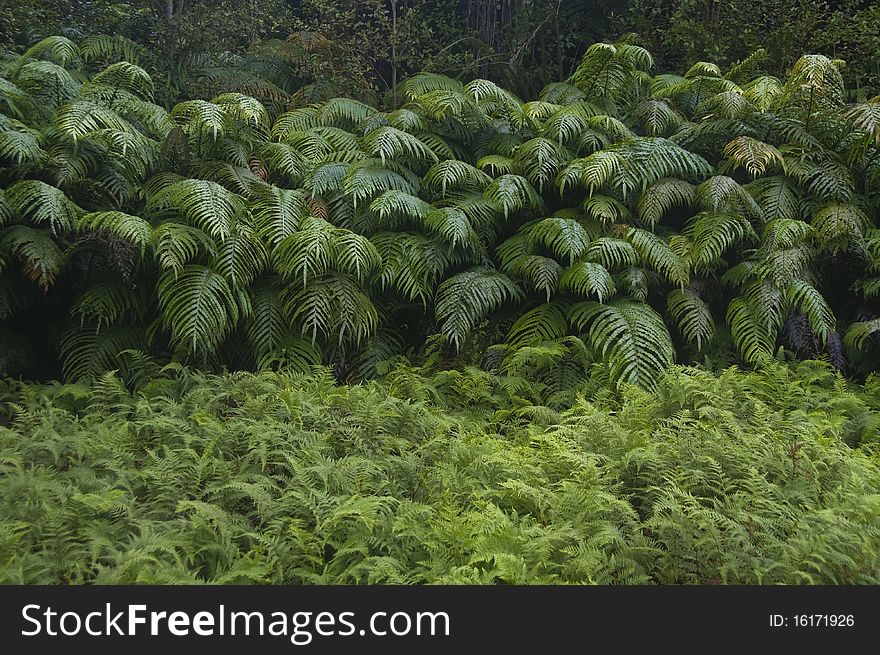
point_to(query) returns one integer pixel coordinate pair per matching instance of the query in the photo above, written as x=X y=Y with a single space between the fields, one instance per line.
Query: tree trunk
x=394 y=52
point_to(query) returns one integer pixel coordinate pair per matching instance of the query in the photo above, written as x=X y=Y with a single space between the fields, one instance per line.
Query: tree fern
x=42 y=204
x=692 y=315
x=467 y=298
x=630 y=336
x=198 y=308
x=133 y=229
x=588 y=278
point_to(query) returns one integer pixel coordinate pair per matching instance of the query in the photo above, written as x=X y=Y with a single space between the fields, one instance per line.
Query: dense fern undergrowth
x=442 y=476
x=647 y=218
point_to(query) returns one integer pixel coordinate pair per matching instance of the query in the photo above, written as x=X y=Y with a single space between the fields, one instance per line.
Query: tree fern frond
x=712 y=233
x=656 y=118
x=105 y=303
x=565 y=237
x=776 y=197
x=178 y=244
x=88 y=353
x=655 y=252
x=332 y=305
x=349 y=110
x=543 y=323
x=452 y=225
x=753 y=339
x=692 y=316
x=591 y=172
x=42 y=204
x=859 y=333
x=762 y=92
x=613 y=254
x=810 y=302
x=393 y=204
x=128 y=76
x=588 y=278
x=605 y=210
x=112 y=48
x=19 y=144
x=307 y=253
x=133 y=229
x=201 y=116
x=423 y=83
x=40 y=256
x=720 y=191
x=467 y=298
x=755 y=156
x=630 y=336
x=455 y=175
x=839 y=225
x=541 y=273
x=240 y=257
x=539 y=160
x=57 y=48
x=365 y=180
x=198 y=308
x=662 y=196
x=203 y=204
x=355 y=254
x=496 y=165
x=513 y=193
x=390 y=143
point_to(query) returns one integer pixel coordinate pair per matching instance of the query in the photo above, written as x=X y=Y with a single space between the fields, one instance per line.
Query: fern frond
x=42 y=204
x=455 y=175
x=755 y=156
x=613 y=254
x=565 y=237
x=810 y=302
x=656 y=252
x=630 y=337
x=467 y=298
x=127 y=76
x=513 y=193
x=588 y=278
x=541 y=273
x=692 y=316
x=543 y=323
x=839 y=225
x=133 y=229
x=198 y=308
x=390 y=143
x=40 y=256
x=177 y=244
x=332 y=305
x=662 y=196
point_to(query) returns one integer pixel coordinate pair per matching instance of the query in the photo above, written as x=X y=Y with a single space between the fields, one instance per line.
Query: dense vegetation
x=362 y=48
x=292 y=311
x=285 y=478
x=637 y=218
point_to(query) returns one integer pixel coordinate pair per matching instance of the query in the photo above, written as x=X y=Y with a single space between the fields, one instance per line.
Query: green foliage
x=654 y=218
x=453 y=476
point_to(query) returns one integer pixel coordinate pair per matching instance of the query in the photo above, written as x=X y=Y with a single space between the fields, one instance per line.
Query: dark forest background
x=363 y=48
